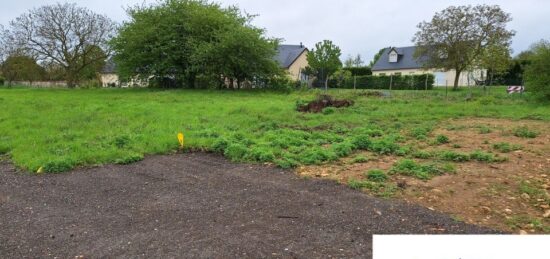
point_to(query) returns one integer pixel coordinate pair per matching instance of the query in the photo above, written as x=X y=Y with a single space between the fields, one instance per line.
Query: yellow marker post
x=181 y=139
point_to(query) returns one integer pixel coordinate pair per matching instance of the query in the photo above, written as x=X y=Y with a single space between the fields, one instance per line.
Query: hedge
x=406 y=82
x=1 y=81
x=359 y=71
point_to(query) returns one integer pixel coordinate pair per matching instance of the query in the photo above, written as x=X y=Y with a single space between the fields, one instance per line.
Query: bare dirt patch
x=324 y=101
x=511 y=196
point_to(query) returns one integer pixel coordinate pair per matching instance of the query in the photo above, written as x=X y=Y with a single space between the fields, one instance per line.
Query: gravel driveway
x=201 y=206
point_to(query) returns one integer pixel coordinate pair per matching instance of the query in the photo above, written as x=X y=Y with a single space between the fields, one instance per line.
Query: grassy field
x=59 y=129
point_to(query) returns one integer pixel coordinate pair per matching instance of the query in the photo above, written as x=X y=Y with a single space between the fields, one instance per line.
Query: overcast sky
x=357 y=26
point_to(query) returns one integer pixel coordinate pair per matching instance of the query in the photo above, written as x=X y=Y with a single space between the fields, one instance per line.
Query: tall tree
x=376 y=57
x=349 y=62
x=358 y=61
x=62 y=34
x=537 y=73
x=457 y=37
x=184 y=39
x=324 y=59
x=21 y=68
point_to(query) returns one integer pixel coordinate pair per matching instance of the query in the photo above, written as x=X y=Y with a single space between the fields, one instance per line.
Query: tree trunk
x=457 y=78
x=326 y=84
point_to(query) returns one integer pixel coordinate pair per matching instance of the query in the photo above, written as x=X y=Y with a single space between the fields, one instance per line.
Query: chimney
x=301 y=45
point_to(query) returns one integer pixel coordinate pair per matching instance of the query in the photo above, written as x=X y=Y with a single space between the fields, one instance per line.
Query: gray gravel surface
x=198 y=205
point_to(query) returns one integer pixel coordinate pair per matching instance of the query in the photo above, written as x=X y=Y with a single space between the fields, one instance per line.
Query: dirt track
x=197 y=205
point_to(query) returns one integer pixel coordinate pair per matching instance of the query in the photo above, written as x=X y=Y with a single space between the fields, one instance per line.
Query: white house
x=401 y=61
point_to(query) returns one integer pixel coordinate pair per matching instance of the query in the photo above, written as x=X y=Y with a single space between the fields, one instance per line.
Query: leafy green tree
x=376 y=57
x=62 y=34
x=457 y=37
x=496 y=59
x=537 y=74
x=324 y=59
x=21 y=68
x=187 y=39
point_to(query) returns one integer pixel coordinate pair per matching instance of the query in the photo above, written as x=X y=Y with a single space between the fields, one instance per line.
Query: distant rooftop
x=405 y=60
x=287 y=54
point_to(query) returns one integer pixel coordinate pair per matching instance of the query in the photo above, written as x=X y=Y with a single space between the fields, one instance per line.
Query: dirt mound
x=322 y=102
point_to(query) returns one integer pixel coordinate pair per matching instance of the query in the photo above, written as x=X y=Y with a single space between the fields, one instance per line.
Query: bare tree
x=62 y=34
x=457 y=37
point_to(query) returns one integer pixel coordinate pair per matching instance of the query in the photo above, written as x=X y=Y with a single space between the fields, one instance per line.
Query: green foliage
x=38 y=126
x=380 y=189
x=409 y=167
x=132 y=158
x=236 y=152
x=359 y=159
x=324 y=59
x=21 y=68
x=420 y=133
x=484 y=130
x=397 y=82
x=525 y=132
x=343 y=149
x=58 y=166
x=359 y=71
x=537 y=74
x=442 y=139
x=422 y=155
x=377 y=176
x=196 y=39
x=454 y=156
x=505 y=147
x=2 y=80
x=482 y=156
x=329 y=110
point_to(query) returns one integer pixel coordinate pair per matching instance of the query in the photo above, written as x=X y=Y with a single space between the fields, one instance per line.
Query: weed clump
x=377 y=176
x=409 y=167
x=505 y=147
x=442 y=139
x=132 y=158
x=58 y=166
x=525 y=132
x=454 y=156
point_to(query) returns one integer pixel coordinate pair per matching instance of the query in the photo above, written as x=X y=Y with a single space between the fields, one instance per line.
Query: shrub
x=377 y=175
x=442 y=139
x=220 y=145
x=537 y=74
x=505 y=147
x=359 y=71
x=525 y=132
x=482 y=156
x=2 y=80
x=420 y=133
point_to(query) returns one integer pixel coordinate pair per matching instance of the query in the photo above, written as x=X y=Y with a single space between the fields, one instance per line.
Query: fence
x=394 y=82
x=40 y=84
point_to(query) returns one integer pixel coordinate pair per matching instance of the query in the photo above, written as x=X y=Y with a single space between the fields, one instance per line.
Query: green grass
x=59 y=129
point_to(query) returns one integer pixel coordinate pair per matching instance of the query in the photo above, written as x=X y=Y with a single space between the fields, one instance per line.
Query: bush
x=343 y=149
x=58 y=166
x=2 y=80
x=362 y=142
x=537 y=74
x=359 y=71
x=377 y=175
x=411 y=168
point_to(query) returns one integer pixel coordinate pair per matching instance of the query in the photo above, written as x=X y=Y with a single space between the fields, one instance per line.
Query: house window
x=393 y=57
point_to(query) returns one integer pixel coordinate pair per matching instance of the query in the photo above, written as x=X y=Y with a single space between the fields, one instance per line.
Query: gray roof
x=287 y=54
x=405 y=60
x=109 y=68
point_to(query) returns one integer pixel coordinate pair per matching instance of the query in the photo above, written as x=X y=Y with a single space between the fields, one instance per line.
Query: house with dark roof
x=293 y=59
x=401 y=61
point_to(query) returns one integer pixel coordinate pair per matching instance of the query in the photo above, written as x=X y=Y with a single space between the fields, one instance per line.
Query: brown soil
x=197 y=206
x=322 y=102
x=488 y=194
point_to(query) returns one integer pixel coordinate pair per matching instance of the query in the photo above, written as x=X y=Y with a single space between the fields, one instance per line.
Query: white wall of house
x=108 y=80
x=442 y=78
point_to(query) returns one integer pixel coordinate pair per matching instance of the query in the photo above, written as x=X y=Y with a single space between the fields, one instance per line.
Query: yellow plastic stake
x=40 y=170
x=181 y=138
